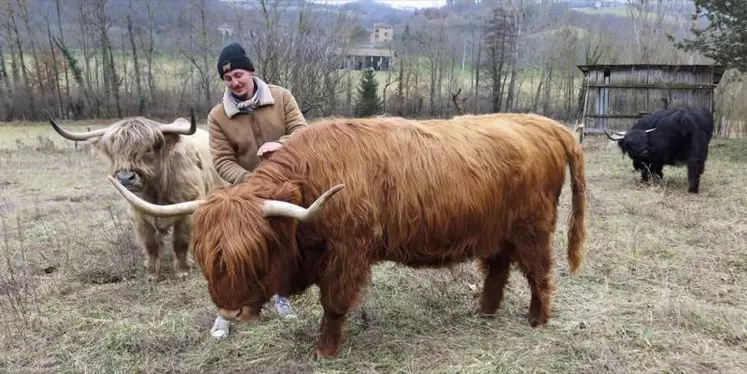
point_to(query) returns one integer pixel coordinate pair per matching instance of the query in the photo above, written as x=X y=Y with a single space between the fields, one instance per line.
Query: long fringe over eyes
x=230 y=237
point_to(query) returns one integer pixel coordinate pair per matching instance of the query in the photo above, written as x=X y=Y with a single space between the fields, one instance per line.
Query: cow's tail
x=576 y=221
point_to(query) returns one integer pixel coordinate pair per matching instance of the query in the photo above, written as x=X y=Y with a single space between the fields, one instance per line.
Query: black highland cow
x=677 y=136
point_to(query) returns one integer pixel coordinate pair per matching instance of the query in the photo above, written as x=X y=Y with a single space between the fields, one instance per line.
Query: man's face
x=239 y=81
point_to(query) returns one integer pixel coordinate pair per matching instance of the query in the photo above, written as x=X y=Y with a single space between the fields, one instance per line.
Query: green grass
x=663 y=287
x=168 y=72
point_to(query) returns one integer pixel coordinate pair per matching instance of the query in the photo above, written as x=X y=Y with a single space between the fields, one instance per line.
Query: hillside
x=463 y=14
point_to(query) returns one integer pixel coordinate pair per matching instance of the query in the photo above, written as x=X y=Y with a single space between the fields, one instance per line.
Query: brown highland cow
x=423 y=194
x=163 y=163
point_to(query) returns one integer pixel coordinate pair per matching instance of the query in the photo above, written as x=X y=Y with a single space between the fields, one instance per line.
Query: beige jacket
x=235 y=137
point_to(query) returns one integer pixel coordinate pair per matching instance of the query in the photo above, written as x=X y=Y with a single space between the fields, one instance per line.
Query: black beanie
x=232 y=57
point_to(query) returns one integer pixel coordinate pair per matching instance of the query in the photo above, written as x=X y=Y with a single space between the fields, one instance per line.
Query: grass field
x=663 y=287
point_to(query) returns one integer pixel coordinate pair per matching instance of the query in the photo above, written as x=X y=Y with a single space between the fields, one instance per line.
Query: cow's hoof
x=483 y=311
x=182 y=275
x=152 y=278
x=320 y=354
x=485 y=307
x=537 y=321
x=481 y=314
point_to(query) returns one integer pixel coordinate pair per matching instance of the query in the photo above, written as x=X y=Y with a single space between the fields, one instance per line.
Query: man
x=252 y=120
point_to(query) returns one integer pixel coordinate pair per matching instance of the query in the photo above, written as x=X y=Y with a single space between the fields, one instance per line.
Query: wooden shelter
x=616 y=96
x=369 y=57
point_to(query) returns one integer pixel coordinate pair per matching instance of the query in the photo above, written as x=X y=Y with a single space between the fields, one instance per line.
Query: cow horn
x=76 y=136
x=175 y=128
x=153 y=209
x=617 y=136
x=649 y=130
x=286 y=209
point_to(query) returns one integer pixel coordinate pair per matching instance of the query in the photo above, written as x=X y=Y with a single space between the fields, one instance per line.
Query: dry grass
x=663 y=288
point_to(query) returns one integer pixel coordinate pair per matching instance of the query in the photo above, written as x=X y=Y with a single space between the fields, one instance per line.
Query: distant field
x=623 y=12
x=169 y=72
x=663 y=287
x=619 y=11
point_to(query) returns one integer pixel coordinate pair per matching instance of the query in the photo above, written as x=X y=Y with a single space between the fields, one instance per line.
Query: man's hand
x=268 y=147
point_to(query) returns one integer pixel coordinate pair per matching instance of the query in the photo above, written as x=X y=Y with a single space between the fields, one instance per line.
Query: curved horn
x=616 y=137
x=649 y=130
x=153 y=209
x=176 y=128
x=286 y=209
x=77 y=136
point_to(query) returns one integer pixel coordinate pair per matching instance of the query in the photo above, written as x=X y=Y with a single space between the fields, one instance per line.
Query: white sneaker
x=284 y=308
x=220 y=328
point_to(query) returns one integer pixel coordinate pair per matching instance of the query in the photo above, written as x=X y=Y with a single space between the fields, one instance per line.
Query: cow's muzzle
x=245 y=314
x=130 y=179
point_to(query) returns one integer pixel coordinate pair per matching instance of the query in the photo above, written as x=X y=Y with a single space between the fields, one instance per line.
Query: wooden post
x=582 y=127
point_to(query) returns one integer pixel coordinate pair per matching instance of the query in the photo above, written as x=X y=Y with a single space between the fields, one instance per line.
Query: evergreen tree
x=368 y=103
x=725 y=38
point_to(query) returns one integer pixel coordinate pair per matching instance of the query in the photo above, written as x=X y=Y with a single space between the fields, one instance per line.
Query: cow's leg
x=644 y=169
x=151 y=242
x=533 y=253
x=694 y=170
x=657 y=173
x=696 y=162
x=180 y=241
x=339 y=292
x=645 y=175
x=331 y=333
x=496 y=269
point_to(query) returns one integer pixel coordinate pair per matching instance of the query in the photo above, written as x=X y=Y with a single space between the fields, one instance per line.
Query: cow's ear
x=289 y=192
x=95 y=142
x=98 y=144
x=170 y=141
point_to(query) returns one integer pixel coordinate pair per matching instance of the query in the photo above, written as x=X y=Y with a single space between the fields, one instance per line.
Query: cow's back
x=678 y=130
x=413 y=190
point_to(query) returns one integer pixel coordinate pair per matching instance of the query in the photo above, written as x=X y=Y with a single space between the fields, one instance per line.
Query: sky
x=395 y=3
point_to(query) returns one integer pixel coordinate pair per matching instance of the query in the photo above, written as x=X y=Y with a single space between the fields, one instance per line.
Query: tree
x=649 y=17
x=359 y=34
x=368 y=103
x=724 y=39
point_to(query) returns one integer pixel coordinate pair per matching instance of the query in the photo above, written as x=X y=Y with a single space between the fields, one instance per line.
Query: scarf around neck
x=234 y=105
x=247 y=106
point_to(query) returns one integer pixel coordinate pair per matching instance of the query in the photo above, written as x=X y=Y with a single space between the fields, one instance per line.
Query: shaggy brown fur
x=423 y=194
x=165 y=168
x=577 y=234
